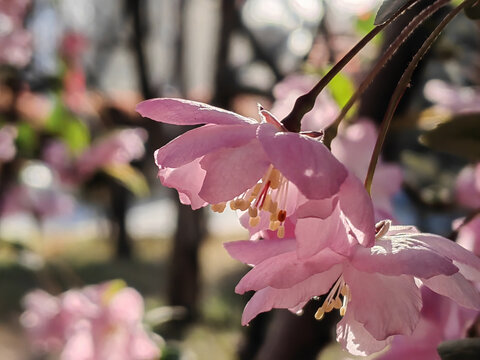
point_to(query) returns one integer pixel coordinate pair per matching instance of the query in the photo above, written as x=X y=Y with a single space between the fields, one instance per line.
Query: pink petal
x=269 y=298
x=385 y=305
x=304 y=161
x=314 y=234
x=285 y=270
x=201 y=141
x=186 y=112
x=232 y=171
x=358 y=209
x=254 y=252
x=353 y=336
x=402 y=256
x=188 y=180
x=457 y=288
x=466 y=261
x=126 y=306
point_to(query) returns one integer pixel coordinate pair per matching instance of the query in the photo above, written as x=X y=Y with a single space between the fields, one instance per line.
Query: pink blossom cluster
x=97 y=322
x=119 y=147
x=15 y=40
x=312 y=223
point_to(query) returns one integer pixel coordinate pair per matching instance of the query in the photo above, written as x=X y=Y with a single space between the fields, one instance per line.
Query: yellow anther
x=254 y=221
x=243 y=205
x=273 y=207
x=343 y=311
x=233 y=205
x=320 y=313
x=220 y=207
x=337 y=304
x=329 y=307
x=252 y=211
x=256 y=189
x=266 y=202
x=274 y=225
x=281 y=232
x=273 y=217
x=275 y=179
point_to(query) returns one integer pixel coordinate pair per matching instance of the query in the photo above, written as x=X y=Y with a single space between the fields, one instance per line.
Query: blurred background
x=80 y=203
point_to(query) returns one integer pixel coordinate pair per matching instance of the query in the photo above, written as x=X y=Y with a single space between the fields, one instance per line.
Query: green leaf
x=388 y=9
x=76 y=135
x=27 y=139
x=69 y=128
x=459 y=136
x=342 y=89
x=129 y=177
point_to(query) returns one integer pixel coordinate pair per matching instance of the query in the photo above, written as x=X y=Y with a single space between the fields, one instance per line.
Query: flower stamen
x=269 y=195
x=333 y=301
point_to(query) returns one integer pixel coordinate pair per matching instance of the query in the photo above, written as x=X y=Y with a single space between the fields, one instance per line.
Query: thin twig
x=402 y=86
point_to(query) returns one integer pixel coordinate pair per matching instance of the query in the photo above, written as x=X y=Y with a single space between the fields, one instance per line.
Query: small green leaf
x=388 y=9
x=459 y=136
x=129 y=177
x=27 y=139
x=76 y=135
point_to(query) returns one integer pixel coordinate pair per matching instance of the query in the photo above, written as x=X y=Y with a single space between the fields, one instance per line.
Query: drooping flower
x=376 y=288
x=253 y=164
x=94 y=323
x=353 y=146
x=468 y=186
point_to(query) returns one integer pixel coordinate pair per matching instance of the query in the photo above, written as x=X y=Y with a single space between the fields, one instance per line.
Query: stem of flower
x=332 y=130
x=402 y=86
x=306 y=102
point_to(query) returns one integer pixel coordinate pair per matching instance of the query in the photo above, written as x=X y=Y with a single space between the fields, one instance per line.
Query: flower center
x=270 y=195
x=333 y=300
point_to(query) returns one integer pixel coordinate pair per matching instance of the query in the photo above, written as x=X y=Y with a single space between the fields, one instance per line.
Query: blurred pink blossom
x=97 y=322
x=469 y=234
x=376 y=288
x=119 y=147
x=286 y=93
x=15 y=40
x=440 y=320
x=353 y=146
x=454 y=99
x=7 y=143
x=39 y=202
x=468 y=187
x=253 y=164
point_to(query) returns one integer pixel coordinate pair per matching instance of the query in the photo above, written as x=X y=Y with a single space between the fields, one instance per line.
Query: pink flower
x=376 y=288
x=94 y=323
x=119 y=147
x=353 y=147
x=254 y=165
x=288 y=90
x=7 y=143
x=469 y=235
x=440 y=320
x=15 y=41
x=452 y=98
x=468 y=187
